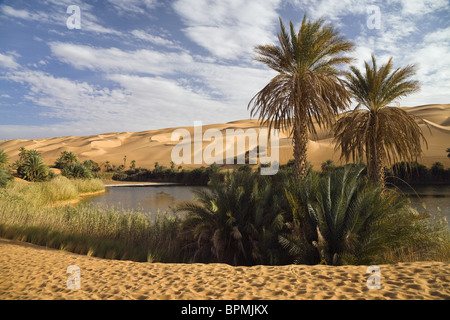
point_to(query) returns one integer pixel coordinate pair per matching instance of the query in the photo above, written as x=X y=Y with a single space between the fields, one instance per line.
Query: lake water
x=161 y=198
x=434 y=198
x=149 y=198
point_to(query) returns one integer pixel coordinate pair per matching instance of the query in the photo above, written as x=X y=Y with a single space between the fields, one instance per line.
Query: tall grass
x=88 y=185
x=90 y=230
x=58 y=189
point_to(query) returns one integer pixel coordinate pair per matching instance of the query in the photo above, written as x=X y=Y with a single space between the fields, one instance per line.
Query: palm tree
x=344 y=218
x=307 y=90
x=234 y=222
x=381 y=132
x=33 y=169
x=66 y=158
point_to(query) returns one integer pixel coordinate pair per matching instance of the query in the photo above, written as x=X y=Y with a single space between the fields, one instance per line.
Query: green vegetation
x=5 y=175
x=198 y=176
x=343 y=218
x=49 y=192
x=31 y=167
x=66 y=158
x=242 y=218
x=417 y=174
x=236 y=221
x=89 y=230
x=72 y=168
x=77 y=170
x=307 y=90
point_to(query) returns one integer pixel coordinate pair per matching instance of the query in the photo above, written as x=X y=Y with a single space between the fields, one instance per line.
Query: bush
x=77 y=170
x=3 y=159
x=235 y=221
x=343 y=218
x=120 y=176
x=92 y=165
x=5 y=176
x=66 y=158
x=31 y=167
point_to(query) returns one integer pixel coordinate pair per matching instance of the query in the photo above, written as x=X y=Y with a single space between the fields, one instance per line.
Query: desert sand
x=31 y=272
x=148 y=147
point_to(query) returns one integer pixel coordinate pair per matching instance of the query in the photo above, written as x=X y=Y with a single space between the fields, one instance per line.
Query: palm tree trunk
x=379 y=166
x=300 y=145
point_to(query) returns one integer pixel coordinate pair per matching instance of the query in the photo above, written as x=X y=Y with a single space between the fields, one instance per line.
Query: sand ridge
x=148 y=147
x=28 y=271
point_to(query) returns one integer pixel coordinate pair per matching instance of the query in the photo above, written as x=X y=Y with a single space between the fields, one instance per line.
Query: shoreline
x=76 y=201
x=141 y=184
x=31 y=272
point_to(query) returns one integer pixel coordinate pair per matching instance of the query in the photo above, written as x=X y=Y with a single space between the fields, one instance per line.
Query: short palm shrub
x=32 y=168
x=343 y=218
x=77 y=170
x=235 y=221
x=5 y=176
x=66 y=158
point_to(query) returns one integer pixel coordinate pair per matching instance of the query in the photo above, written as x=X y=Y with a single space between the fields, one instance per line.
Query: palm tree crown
x=380 y=132
x=307 y=90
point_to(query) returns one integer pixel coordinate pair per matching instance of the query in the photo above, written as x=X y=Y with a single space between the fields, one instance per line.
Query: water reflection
x=435 y=199
x=149 y=199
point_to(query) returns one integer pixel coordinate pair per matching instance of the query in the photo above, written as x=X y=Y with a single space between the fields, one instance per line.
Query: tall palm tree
x=307 y=90
x=382 y=133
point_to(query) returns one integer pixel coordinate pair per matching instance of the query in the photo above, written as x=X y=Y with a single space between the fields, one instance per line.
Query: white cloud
x=8 y=62
x=56 y=15
x=116 y=60
x=235 y=84
x=133 y=6
x=419 y=8
x=160 y=41
x=229 y=29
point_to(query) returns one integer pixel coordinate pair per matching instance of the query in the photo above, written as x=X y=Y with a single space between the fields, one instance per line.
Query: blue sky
x=148 y=64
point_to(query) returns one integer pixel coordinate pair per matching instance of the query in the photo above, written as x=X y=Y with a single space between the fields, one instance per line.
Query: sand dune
x=31 y=272
x=148 y=147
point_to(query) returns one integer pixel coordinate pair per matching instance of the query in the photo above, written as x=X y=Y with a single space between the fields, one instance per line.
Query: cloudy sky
x=137 y=65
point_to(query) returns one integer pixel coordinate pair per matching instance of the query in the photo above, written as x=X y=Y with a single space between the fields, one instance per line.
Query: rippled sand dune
x=31 y=272
x=148 y=147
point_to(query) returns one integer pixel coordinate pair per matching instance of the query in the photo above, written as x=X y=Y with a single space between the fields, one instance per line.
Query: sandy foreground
x=31 y=272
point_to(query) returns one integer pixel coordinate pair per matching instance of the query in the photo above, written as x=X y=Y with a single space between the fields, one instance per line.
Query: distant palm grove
x=338 y=215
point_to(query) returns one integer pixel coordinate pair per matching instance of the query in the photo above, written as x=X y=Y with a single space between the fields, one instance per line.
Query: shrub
x=92 y=165
x=32 y=168
x=236 y=221
x=3 y=159
x=66 y=158
x=343 y=218
x=77 y=170
x=5 y=176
